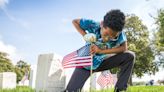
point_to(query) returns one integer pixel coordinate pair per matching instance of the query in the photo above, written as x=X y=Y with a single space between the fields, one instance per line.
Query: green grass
x=130 y=89
x=19 y=89
x=139 y=89
x=146 y=89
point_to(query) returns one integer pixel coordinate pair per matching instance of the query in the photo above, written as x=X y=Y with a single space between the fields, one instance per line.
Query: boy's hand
x=94 y=49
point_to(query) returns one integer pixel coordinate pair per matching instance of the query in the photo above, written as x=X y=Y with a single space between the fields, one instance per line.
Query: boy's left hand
x=94 y=49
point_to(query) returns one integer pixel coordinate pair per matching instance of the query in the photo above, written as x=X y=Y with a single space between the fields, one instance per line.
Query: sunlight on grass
x=19 y=89
x=139 y=89
x=130 y=89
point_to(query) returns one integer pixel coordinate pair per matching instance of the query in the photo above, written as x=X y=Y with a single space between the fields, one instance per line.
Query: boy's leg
x=77 y=80
x=123 y=60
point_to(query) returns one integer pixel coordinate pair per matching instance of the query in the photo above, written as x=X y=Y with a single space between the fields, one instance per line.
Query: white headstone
x=32 y=78
x=7 y=80
x=48 y=76
x=26 y=83
x=91 y=82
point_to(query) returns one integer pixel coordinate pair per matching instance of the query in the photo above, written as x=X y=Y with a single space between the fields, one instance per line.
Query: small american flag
x=105 y=79
x=78 y=58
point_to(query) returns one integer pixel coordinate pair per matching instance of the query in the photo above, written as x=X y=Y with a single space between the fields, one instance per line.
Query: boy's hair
x=114 y=19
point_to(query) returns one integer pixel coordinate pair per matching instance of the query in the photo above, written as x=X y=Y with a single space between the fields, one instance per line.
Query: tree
x=6 y=66
x=22 y=64
x=139 y=42
x=5 y=63
x=20 y=69
x=19 y=74
x=160 y=30
x=159 y=37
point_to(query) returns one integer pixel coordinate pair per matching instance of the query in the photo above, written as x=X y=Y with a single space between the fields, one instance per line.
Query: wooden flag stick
x=92 y=40
x=91 y=73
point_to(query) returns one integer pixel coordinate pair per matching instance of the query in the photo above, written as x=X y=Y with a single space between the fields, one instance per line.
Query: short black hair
x=114 y=19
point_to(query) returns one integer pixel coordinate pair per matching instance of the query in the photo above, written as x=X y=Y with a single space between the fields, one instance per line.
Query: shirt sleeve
x=122 y=38
x=89 y=26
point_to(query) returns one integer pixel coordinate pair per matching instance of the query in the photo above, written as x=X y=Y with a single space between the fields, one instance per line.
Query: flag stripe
x=74 y=60
x=77 y=60
x=81 y=58
x=76 y=65
x=70 y=56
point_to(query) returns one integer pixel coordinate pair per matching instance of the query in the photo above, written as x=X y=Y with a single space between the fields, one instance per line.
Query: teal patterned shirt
x=91 y=26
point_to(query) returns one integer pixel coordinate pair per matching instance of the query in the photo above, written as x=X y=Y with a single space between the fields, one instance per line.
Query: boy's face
x=109 y=34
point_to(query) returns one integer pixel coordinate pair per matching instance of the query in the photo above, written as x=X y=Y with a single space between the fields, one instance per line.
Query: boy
x=110 y=31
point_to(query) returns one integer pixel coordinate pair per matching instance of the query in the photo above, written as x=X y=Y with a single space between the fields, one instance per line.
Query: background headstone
x=49 y=74
x=32 y=78
x=7 y=80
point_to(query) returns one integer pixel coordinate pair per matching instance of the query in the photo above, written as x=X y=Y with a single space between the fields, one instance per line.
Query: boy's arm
x=76 y=23
x=119 y=49
x=122 y=48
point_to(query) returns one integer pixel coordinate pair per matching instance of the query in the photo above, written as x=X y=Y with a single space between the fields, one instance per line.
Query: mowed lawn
x=19 y=89
x=140 y=89
x=130 y=89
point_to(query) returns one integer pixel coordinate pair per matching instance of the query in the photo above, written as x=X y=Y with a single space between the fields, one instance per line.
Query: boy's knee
x=131 y=55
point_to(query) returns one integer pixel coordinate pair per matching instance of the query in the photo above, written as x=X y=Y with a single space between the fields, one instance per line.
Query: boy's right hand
x=95 y=49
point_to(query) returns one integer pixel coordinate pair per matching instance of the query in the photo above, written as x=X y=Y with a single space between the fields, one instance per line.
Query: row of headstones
x=48 y=76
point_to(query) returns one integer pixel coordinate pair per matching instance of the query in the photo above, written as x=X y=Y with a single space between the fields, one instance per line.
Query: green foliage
x=20 y=69
x=139 y=42
x=160 y=30
x=159 y=37
x=5 y=63
x=19 y=74
x=6 y=66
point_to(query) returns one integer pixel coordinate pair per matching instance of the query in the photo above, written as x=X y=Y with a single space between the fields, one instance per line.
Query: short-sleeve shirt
x=91 y=26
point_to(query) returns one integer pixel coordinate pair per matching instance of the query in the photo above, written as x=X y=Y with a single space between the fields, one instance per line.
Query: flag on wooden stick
x=105 y=79
x=78 y=58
